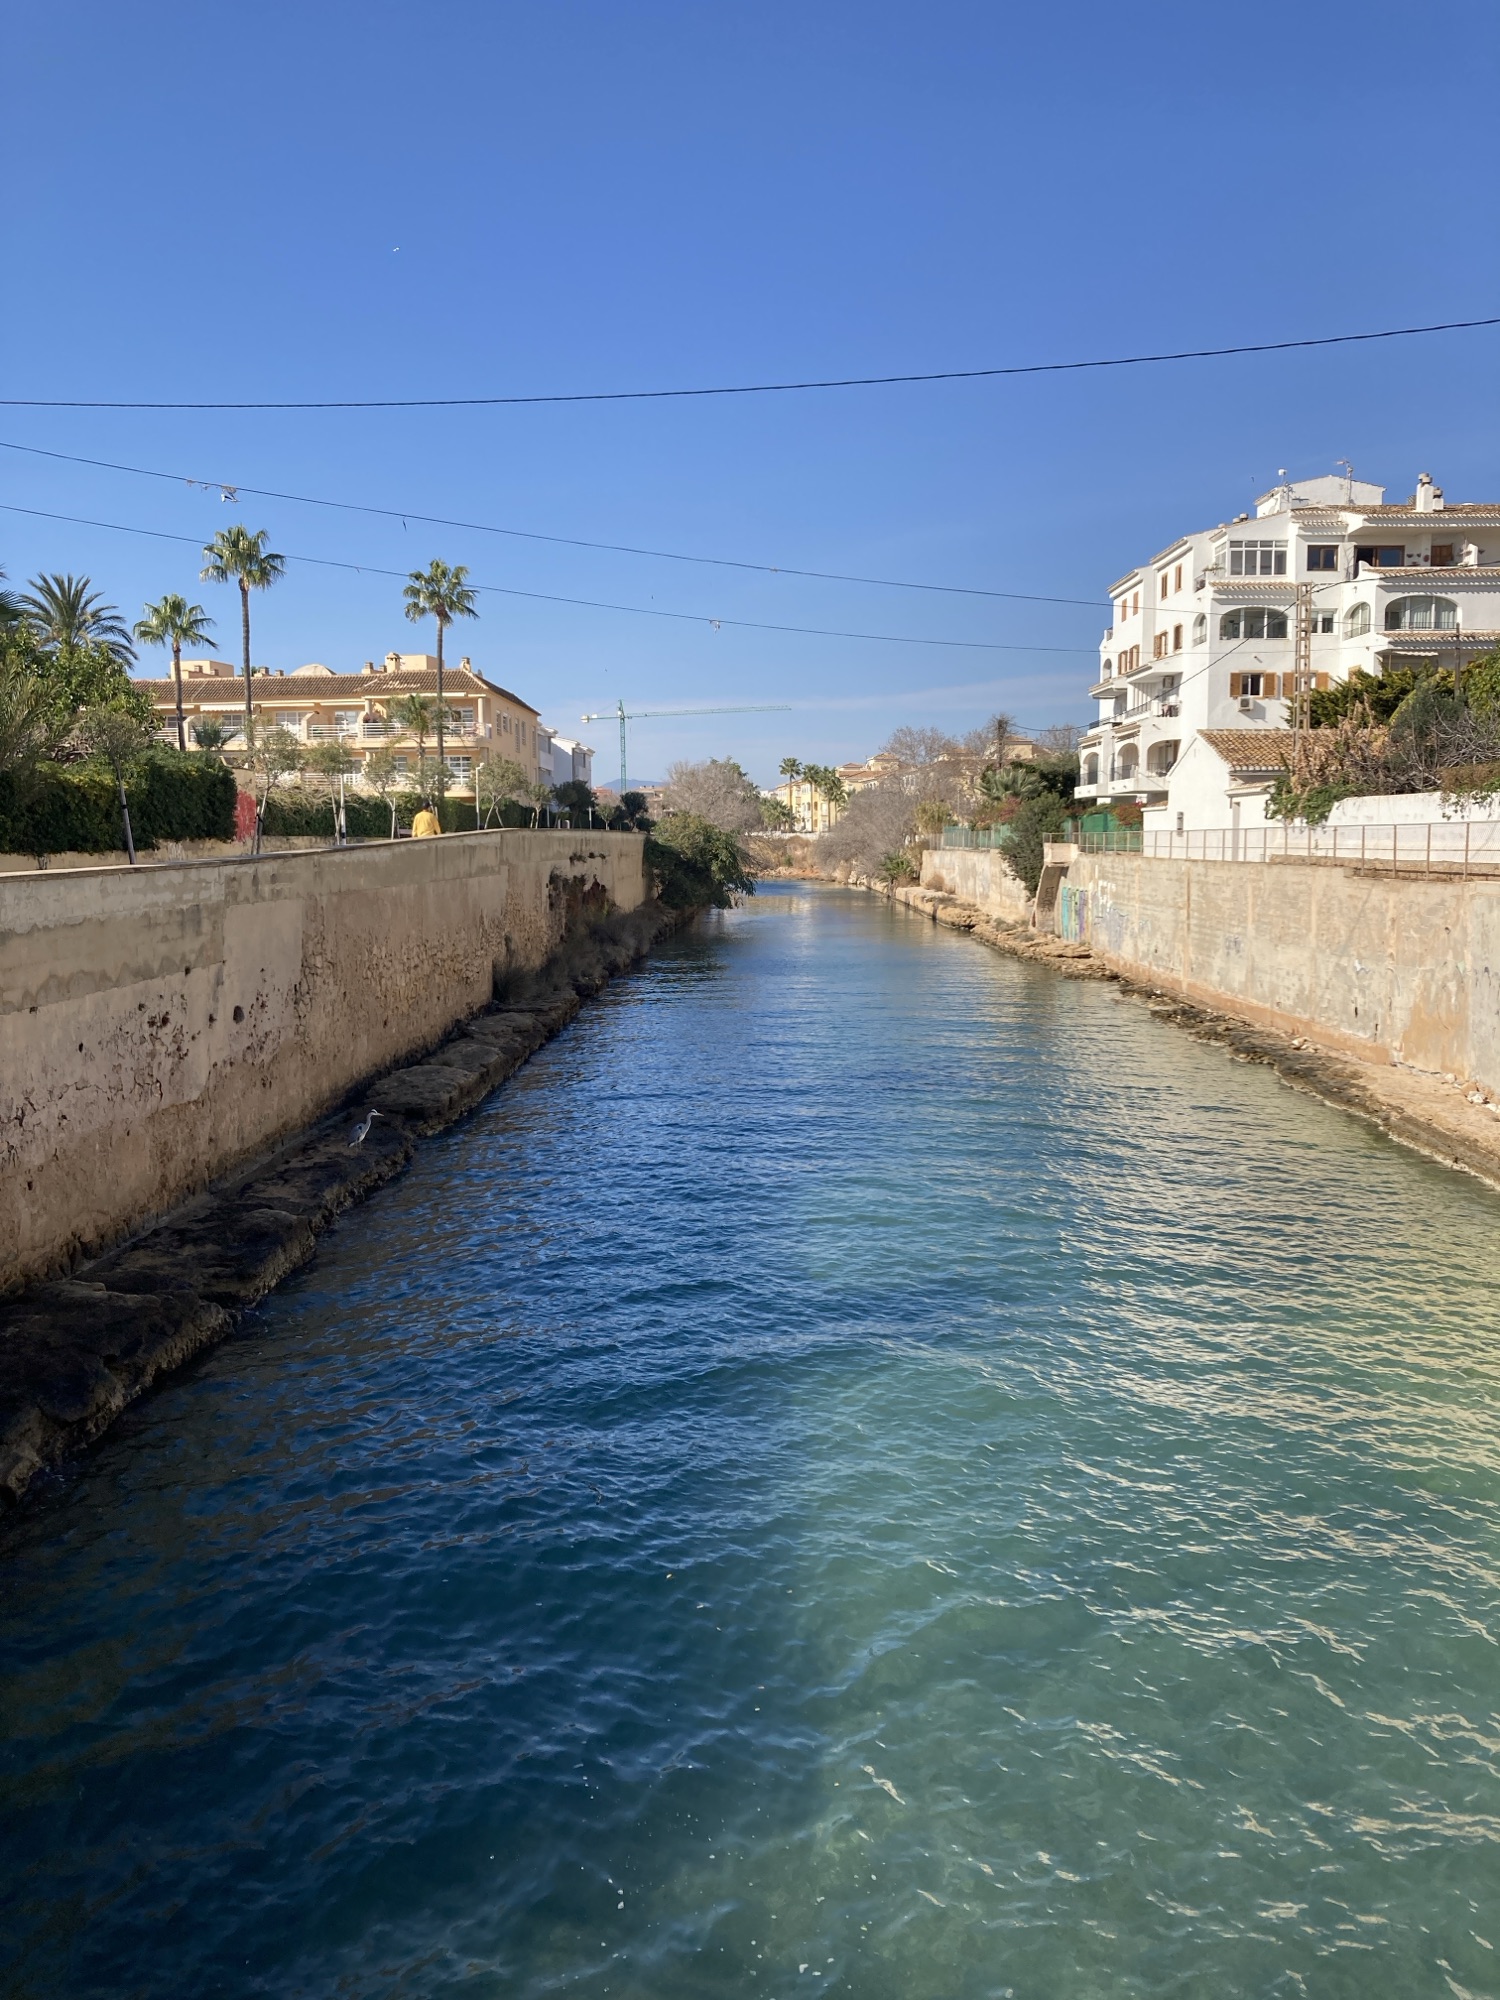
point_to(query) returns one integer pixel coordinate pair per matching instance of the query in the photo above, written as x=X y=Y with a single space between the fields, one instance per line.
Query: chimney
x=1429 y=499
x=369 y=666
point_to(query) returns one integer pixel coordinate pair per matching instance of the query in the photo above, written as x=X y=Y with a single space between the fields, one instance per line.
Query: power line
x=587 y=603
x=234 y=487
x=761 y=388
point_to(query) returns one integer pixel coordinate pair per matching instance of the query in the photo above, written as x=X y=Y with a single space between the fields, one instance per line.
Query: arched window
x=1091 y=770
x=1108 y=669
x=1256 y=621
x=1200 y=629
x=1129 y=758
x=1422 y=614
x=1356 y=620
x=1160 y=758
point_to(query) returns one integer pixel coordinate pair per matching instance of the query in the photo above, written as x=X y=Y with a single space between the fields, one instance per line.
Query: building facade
x=362 y=712
x=1227 y=627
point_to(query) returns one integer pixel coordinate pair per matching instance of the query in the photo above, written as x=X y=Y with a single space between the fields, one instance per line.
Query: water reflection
x=868 y=1469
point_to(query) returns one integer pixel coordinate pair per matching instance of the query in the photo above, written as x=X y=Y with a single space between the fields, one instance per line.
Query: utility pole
x=1302 y=662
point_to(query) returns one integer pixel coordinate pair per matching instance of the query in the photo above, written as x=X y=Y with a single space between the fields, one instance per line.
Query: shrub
x=75 y=809
x=696 y=866
x=1040 y=819
x=365 y=818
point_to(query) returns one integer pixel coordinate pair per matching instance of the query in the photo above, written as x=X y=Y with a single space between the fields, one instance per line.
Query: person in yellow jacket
x=425 y=825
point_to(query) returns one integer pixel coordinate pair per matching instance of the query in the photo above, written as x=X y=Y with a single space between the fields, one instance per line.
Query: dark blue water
x=868 y=1469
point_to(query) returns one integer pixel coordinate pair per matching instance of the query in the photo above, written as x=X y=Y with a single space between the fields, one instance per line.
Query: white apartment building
x=1205 y=635
x=563 y=759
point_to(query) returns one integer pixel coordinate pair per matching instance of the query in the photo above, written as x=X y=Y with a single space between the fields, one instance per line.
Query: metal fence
x=975 y=836
x=1439 y=847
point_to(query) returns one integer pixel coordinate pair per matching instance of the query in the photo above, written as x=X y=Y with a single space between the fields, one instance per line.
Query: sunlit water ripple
x=867 y=1469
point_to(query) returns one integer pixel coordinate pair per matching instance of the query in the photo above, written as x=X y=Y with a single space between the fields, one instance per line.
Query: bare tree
x=718 y=791
x=920 y=745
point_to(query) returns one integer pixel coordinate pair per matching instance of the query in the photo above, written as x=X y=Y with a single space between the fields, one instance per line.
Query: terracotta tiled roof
x=1250 y=749
x=305 y=688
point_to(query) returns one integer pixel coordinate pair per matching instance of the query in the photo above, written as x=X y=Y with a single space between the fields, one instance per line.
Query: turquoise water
x=867 y=1470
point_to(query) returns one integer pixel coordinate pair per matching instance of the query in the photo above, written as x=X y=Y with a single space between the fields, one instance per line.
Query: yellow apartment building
x=316 y=705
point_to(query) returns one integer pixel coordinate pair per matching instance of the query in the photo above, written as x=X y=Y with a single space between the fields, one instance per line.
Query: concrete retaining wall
x=1387 y=968
x=159 y=1025
x=977 y=875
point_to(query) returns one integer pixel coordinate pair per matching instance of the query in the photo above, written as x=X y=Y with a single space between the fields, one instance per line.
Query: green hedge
x=75 y=809
x=364 y=818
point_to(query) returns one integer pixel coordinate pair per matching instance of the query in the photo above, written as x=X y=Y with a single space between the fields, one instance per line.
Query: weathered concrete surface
x=977 y=876
x=1387 y=969
x=76 y=1351
x=159 y=1025
x=1451 y=1119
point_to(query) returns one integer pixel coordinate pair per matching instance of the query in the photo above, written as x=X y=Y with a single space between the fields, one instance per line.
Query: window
x=1442 y=555
x=346 y=721
x=1159 y=646
x=1177 y=577
x=1107 y=669
x=1091 y=770
x=1323 y=556
x=1254 y=622
x=1422 y=614
x=1257 y=558
x=1322 y=621
x=1259 y=686
x=1129 y=758
x=1382 y=558
x=1200 y=629
x=1169 y=683
x=1164 y=584
x=1122 y=611
x=1356 y=620
x=1135 y=603
x=460 y=766
x=1161 y=757
x=1119 y=704
x=1176 y=638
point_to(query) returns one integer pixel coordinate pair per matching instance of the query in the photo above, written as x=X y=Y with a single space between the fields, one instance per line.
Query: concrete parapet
x=158 y=1026
x=1396 y=969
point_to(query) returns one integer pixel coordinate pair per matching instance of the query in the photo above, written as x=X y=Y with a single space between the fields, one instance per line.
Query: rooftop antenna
x=621 y=715
x=1348 y=478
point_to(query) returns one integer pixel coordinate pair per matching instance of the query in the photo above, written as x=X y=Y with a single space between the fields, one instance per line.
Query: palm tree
x=10 y=610
x=235 y=555
x=175 y=623
x=413 y=716
x=444 y=594
x=68 y=612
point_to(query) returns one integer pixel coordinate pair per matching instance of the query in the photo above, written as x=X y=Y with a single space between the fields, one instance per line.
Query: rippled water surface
x=868 y=1469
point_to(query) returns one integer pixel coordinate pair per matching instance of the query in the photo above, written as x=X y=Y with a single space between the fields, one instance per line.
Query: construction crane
x=621 y=715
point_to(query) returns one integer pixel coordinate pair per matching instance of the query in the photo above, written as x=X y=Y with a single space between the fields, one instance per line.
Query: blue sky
x=388 y=200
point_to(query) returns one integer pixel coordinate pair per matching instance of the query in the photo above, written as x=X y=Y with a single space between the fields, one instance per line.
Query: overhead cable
x=753 y=388
x=233 y=488
x=588 y=603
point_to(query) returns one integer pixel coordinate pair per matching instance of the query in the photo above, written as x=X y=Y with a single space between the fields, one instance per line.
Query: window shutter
x=1268 y=682
x=1320 y=682
x=1234 y=687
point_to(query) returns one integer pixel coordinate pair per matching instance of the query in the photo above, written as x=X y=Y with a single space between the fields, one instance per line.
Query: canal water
x=868 y=1469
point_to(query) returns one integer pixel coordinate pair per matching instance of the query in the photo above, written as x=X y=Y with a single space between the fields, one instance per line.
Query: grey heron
x=362 y=1129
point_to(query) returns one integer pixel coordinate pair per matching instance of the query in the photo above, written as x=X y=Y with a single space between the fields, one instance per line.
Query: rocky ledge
x=75 y=1352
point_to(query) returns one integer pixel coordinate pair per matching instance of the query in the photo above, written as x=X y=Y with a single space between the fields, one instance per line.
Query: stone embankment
x=75 y=1352
x=1444 y=1117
